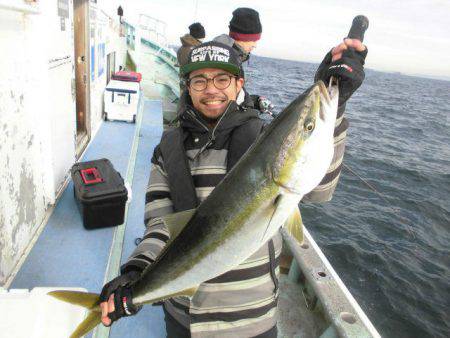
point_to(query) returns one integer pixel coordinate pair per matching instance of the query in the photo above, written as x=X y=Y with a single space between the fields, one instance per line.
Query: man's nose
x=210 y=87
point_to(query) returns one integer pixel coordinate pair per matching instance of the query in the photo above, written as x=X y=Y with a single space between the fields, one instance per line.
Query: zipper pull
x=202 y=149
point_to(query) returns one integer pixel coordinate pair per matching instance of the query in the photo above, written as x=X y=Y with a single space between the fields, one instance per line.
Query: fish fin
x=86 y=300
x=275 y=215
x=294 y=225
x=90 y=322
x=176 y=222
x=188 y=292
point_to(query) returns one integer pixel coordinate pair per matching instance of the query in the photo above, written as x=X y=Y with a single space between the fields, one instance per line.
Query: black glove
x=120 y=287
x=349 y=69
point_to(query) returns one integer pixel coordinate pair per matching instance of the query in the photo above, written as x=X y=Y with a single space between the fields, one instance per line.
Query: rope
x=396 y=210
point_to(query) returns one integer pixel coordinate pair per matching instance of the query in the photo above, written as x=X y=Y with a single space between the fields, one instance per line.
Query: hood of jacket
x=229 y=41
x=192 y=121
x=188 y=40
x=225 y=39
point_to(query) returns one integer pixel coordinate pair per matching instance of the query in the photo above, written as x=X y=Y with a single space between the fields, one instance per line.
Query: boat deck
x=67 y=255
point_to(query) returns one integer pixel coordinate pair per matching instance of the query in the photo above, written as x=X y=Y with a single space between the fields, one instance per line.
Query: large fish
x=245 y=210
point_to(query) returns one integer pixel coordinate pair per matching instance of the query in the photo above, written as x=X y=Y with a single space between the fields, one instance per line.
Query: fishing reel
x=265 y=106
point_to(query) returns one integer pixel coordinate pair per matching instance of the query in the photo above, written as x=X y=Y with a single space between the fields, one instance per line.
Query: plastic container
x=121 y=100
x=100 y=193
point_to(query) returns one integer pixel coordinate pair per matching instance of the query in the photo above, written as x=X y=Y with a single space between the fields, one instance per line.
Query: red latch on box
x=91 y=176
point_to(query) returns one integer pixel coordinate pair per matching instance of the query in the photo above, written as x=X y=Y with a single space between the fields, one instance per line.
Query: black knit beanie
x=245 y=25
x=197 y=30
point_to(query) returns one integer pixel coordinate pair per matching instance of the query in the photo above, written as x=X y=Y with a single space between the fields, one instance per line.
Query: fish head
x=308 y=146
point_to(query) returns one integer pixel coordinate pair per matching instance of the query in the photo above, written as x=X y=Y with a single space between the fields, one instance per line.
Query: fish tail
x=87 y=300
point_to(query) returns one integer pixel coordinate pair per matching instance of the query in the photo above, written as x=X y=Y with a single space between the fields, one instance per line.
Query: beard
x=210 y=120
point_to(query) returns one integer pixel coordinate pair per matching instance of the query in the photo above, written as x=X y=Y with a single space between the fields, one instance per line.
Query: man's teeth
x=214 y=102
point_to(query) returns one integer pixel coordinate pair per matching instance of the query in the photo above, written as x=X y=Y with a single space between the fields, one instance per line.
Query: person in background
x=189 y=41
x=245 y=31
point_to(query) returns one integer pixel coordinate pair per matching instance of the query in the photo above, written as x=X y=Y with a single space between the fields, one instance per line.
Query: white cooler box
x=34 y=314
x=121 y=100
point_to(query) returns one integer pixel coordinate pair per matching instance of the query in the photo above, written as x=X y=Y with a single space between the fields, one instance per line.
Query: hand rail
x=24 y=8
x=339 y=306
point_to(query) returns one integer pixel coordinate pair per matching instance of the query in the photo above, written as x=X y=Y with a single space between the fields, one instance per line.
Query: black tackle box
x=100 y=193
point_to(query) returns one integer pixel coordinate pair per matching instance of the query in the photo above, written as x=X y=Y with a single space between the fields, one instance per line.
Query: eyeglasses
x=220 y=81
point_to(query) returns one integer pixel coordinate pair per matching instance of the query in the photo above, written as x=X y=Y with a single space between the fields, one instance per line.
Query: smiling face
x=212 y=102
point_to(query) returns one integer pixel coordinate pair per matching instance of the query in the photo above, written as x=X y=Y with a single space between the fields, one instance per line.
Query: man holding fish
x=211 y=247
x=241 y=302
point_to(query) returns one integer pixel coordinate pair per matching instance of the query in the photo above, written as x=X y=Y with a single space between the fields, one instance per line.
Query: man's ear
x=239 y=83
x=188 y=88
x=185 y=80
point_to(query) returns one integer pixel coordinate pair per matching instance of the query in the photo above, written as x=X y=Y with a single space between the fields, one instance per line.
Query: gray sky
x=411 y=37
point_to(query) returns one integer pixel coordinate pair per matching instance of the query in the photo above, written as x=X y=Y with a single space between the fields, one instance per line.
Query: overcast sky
x=411 y=37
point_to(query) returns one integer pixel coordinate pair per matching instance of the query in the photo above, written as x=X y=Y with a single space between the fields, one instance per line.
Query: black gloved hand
x=349 y=70
x=120 y=287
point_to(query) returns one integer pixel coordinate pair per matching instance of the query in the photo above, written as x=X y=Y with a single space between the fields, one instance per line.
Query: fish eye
x=309 y=126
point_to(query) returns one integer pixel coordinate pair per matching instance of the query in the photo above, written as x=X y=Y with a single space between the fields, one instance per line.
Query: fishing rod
x=359 y=26
x=196 y=9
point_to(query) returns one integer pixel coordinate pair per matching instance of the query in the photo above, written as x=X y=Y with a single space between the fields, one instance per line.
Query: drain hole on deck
x=304 y=246
x=348 y=317
x=322 y=274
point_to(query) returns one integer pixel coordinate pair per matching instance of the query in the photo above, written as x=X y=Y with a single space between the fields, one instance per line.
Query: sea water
x=391 y=248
